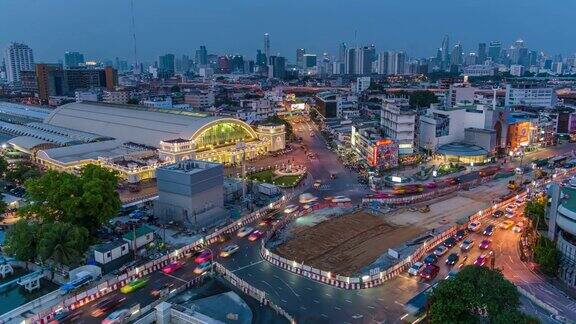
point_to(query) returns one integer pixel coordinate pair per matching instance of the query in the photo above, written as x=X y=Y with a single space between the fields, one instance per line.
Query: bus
x=82 y=279
x=407 y=189
x=489 y=171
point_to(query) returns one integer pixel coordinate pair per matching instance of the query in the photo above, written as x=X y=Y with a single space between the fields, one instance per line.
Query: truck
x=268 y=189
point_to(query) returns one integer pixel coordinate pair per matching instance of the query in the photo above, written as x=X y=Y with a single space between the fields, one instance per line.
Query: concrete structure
x=200 y=99
x=18 y=57
x=561 y=214
x=372 y=148
x=116 y=97
x=361 y=84
x=191 y=191
x=530 y=94
x=139 y=237
x=460 y=93
x=399 y=125
x=479 y=70
x=108 y=252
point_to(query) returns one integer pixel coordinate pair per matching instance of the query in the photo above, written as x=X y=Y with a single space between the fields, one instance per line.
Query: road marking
x=269 y=285
x=337 y=308
x=381 y=299
x=348 y=301
x=171 y=276
x=328 y=295
x=316 y=301
x=302 y=308
x=399 y=303
x=308 y=288
x=324 y=315
x=369 y=306
x=248 y=266
x=284 y=301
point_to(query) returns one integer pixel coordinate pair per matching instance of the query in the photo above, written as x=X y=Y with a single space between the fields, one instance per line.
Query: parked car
x=415 y=269
x=498 y=214
x=229 y=250
x=244 y=231
x=452 y=259
x=173 y=267
x=474 y=226
x=255 y=235
x=429 y=272
x=466 y=245
x=489 y=230
x=485 y=244
x=461 y=234
x=430 y=259
x=290 y=209
x=204 y=256
x=506 y=224
x=440 y=250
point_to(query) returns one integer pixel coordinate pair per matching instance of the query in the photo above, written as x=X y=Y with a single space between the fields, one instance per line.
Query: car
x=117 y=317
x=64 y=316
x=440 y=250
x=332 y=176
x=482 y=259
x=489 y=230
x=450 y=242
x=431 y=258
x=461 y=234
x=506 y=224
x=204 y=256
x=310 y=205
x=474 y=226
x=134 y=285
x=429 y=272
x=498 y=214
x=509 y=213
x=107 y=304
x=466 y=245
x=244 y=231
x=229 y=250
x=317 y=184
x=511 y=208
x=268 y=221
x=290 y=209
x=452 y=259
x=173 y=266
x=518 y=227
x=519 y=200
x=255 y=235
x=307 y=198
x=485 y=244
x=163 y=290
x=431 y=185
x=223 y=238
x=415 y=269
x=341 y=199
x=203 y=267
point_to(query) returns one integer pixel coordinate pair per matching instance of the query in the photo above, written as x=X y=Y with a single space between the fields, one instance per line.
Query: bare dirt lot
x=346 y=244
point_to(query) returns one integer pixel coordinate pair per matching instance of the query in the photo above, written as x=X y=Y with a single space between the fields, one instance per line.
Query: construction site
x=347 y=244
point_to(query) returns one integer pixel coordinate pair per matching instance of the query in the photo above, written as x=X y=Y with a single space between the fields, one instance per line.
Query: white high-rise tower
x=19 y=57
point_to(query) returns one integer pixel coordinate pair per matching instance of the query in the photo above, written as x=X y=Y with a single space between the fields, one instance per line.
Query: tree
x=62 y=243
x=22 y=171
x=3 y=165
x=133 y=101
x=88 y=200
x=534 y=209
x=473 y=291
x=514 y=316
x=547 y=256
x=174 y=89
x=422 y=98
x=3 y=204
x=22 y=240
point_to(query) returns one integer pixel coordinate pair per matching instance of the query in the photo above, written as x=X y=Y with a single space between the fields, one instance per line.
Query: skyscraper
x=494 y=50
x=400 y=63
x=261 y=59
x=365 y=56
x=481 y=55
x=19 y=57
x=276 y=67
x=350 y=61
x=445 y=53
x=342 y=52
x=267 y=45
x=456 y=55
x=166 y=66
x=310 y=60
x=383 y=62
x=202 y=56
x=73 y=59
x=300 y=57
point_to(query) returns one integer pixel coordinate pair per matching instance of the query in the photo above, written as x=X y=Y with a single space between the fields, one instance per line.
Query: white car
x=290 y=209
x=317 y=184
x=229 y=250
x=509 y=213
x=518 y=227
x=246 y=230
x=117 y=317
x=341 y=199
x=474 y=226
x=203 y=267
x=440 y=250
x=415 y=269
x=307 y=198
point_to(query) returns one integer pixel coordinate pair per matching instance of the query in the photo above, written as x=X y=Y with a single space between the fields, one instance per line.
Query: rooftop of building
x=569 y=198
x=461 y=149
x=138 y=232
x=88 y=151
x=24 y=110
x=106 y=247
x=191 y=166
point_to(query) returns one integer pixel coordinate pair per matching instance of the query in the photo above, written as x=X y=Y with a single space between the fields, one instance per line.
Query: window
x=108 y=254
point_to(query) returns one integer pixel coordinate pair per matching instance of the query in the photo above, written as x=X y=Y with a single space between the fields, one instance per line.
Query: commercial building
x=479 y=70
x=115 y=97
x=371 y=147
x=199 y=99
x=337 y=105
x=166 y=66
x=561 y=214
x=191 y=191
x=530 y=94
x=399 y=124
x=73 y=59
x=460 y=93
x=18 y=57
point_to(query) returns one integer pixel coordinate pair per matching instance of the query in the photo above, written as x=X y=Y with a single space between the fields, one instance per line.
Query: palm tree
x=62 y=243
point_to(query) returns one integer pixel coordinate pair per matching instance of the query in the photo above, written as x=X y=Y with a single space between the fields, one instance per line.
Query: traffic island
x=284 y=176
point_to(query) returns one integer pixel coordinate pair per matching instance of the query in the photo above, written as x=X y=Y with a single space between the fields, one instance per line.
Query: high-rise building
x=223 y=64
x=300 y=57
x=350 y=61
x=166 y=66
x=50 y=80
x=260 y=59
x=19 y=57
x=494 y=51
x=342 y=52
x=73 y=59
x=400 y=63
x=237 y=64
x=456 y=55
x=481 y=55
x=445 y=64
x=364 y=58
x=276 y=67
x=202 y=56
x=267 y=45
x=382 y=65
x=310 y=61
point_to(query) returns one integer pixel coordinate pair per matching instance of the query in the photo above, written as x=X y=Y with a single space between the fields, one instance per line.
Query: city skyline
x=98 y=41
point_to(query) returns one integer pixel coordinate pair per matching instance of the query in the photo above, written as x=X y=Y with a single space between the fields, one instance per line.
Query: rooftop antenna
x=136 y=63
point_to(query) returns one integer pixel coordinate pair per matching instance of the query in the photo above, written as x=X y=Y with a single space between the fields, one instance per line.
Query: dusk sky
x=102 y=29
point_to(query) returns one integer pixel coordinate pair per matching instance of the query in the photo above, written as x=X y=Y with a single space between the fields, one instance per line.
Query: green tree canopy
x=22 y=171
x=22 y=240
x=547 y=256
x=62 y=243
x=422 y=98
x=3 y=165
x=88 y=200
x=473 y=291
x=534 y=209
